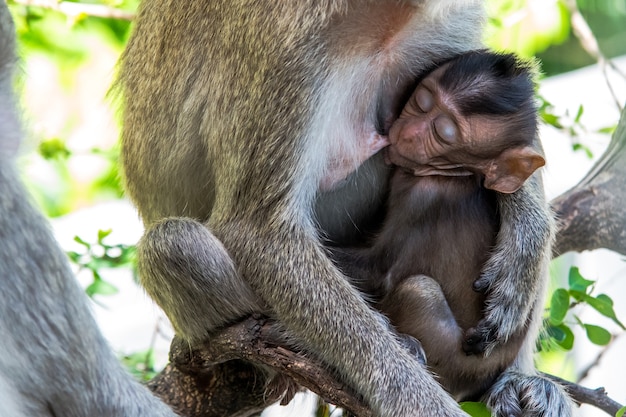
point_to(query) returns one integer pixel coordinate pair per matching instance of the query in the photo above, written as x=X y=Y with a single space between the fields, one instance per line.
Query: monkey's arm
x=513 y=275
x=363 y=268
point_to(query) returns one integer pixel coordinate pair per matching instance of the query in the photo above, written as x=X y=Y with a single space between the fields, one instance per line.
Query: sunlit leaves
x=98 y=256
x=66 y=36
x=54 y=148
x=527 y=26
x=579 y=292
x=141 y=364
x=562 y=335
x=572 y=126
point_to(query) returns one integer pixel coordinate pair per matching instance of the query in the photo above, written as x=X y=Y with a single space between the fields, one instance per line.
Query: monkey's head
x=474 y=115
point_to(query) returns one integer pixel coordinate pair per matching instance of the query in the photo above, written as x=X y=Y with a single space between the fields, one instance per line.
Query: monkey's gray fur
x=235 y=112
x=53 y=360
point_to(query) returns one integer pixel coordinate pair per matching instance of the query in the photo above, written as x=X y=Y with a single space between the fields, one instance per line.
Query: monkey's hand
x=517 y=394
x=513 y=277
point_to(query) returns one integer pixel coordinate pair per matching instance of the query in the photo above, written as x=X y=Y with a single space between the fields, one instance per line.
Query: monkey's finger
x=480 y=339
x=482 y=284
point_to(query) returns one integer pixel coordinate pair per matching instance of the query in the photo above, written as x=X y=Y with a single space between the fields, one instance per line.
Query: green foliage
x=100 y=255
x=65 y=36
x=621 y=412
x=475 y=409
x=562 y=335
x=57 y=200
x=526 y=27
x=579 y=292
x=141 y=364
x=54 y=148
x=571 y=126
x=70 y=40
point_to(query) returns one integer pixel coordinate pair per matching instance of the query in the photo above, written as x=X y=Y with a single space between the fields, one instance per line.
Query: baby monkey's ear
x=508 y=171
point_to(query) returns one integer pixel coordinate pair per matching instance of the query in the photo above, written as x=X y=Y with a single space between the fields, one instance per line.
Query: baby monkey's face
x=433 y=137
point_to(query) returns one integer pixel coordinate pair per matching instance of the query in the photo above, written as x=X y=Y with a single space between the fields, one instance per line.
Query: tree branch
x=188 y=384
x=198 y=383
x=592 y=215
x=582 y=395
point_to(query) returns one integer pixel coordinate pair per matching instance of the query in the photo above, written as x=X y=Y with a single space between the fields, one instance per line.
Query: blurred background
x=69 y=52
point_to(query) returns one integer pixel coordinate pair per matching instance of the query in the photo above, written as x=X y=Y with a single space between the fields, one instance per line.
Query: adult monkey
x=248 y=117
x=53 y=360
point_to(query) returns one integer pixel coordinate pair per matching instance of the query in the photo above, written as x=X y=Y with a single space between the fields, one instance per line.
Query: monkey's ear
x=507 y=172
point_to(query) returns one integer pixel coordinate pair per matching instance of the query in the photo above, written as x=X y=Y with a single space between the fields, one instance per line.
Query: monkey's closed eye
x=446 y=129
x=424 y=99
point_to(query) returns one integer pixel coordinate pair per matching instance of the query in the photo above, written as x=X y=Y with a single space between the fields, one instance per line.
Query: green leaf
x=555 y=332
x=97 y=264
x=604 y=307
x=102 y=234
x=621 y=412
x=100 y=286
x=82 y=242
x=562 y=336
x=128 y=254
x=576 y=280
x=567 y=342
x=581 y=147
x=475 y=409
x=559 y=306
x=608 y=129
x=140 y=364
x=552 y=120
x=579 y=114
x=598 y=335
x=74 y=256
x=528 y=29
x=602 y=304
x=606 y=299
x=579 y=295
x=54 y=148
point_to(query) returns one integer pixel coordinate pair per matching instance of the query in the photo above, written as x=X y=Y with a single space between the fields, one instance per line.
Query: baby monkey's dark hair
x=483 y=82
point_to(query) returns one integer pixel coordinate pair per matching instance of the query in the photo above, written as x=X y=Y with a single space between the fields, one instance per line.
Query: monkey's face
x=432 y=137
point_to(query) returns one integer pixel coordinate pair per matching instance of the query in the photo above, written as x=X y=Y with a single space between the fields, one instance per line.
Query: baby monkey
x=467 y=132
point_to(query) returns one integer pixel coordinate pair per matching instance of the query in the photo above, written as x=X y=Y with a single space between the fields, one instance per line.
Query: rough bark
x=217 y=379
x=592 y=215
